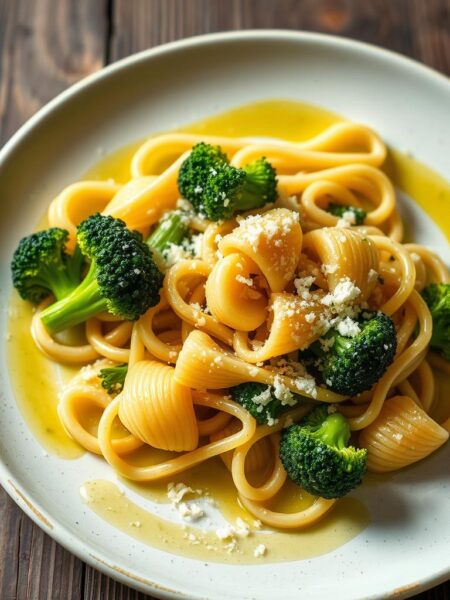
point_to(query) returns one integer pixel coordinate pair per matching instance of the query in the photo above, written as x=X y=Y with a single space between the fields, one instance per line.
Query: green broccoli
x=173 y=228
x=350 y=365
x=217 y=190
x=41 y=266
x=122 y=279
x=437 y=297
x=259 y=400
x=338 y=210
x=113 y=378
x=196 y=169
x=316 y=456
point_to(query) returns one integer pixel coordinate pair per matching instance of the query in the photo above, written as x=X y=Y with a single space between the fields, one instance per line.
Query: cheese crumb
x=283 y=393
x=343 y=293
x=224 y=533
x=246 y=281
x=348 y=328
x=260 y=550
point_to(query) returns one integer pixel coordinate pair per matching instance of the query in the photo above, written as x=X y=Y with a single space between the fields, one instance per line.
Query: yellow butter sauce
x=114 y=505
x=38 y=380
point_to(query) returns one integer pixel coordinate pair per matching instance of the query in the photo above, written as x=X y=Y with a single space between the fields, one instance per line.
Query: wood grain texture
x=45 y=46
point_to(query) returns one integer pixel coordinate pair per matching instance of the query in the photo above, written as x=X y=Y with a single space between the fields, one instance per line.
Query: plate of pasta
x=227 y=319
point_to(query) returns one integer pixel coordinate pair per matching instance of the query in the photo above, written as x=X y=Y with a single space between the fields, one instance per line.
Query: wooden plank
x=45 y=46
x=413 y=27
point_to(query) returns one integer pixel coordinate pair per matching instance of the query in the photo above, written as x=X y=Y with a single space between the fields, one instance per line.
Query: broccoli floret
x=196 y=169
x=259 y=400
x=217 y=190
x=350 y=365
x=338 y=210
x=41 y=266
x=173 y=228
x=316 y=456
x=123 y=278
x=229 y=190
x=113 y=378
x=437 y=297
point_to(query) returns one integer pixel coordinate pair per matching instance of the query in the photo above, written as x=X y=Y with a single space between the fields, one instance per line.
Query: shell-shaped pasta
x=272 y=240
x=402 y=434
x=232 y=295
x=157 y=409
x=293 y=327
x=347 y=254
x=203 y=364
x=259 y=456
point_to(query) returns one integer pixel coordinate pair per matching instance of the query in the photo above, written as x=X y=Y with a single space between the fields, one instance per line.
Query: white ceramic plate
x=407 y=546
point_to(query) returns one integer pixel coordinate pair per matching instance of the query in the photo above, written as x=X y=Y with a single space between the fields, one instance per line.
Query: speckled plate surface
x=406 y=547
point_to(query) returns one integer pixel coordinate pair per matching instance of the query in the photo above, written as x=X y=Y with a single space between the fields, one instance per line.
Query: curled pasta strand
x=109 y=345
x=277 y=477
x=213 y=424
x=313 y=196
x=199 y=319
x=214 y=232
x=407 y=326
x=435 y=266
x=185 y=461
x=137 y=347
x=298 y=520
x=408 y=273
x=155 y=345
x=71 y=399
x=274 y=482
x=427 y=385
x=356 y=177
x=61 y=352
x=320 y=152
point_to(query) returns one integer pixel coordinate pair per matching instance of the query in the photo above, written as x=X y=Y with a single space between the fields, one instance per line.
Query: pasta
x=259 y=296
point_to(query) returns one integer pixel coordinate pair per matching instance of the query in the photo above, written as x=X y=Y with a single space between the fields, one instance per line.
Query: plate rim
x=83 y=549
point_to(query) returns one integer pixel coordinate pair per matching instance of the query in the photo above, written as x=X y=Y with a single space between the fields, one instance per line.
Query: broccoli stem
x=81 y=304
x=334 y=431
x=171 y=230
x=60 y=282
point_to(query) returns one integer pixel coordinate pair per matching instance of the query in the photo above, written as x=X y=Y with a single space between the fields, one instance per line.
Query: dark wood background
x=45 y=46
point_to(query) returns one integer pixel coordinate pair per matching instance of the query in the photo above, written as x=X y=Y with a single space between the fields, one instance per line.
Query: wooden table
x=47 y=45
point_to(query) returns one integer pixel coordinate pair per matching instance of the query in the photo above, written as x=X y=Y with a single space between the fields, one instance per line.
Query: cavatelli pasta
x=402 y=434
